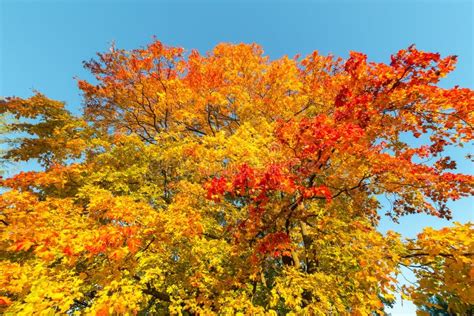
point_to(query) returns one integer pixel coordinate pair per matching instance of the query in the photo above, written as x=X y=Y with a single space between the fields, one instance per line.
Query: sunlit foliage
x=229 y=183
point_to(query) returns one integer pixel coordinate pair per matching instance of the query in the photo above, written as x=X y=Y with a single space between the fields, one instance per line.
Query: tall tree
x=230 y=183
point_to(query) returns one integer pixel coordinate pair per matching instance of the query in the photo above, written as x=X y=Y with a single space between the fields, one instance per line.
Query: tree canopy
x=229 y=183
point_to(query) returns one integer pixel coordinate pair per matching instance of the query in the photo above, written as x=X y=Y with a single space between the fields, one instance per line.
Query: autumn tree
x=229 y=183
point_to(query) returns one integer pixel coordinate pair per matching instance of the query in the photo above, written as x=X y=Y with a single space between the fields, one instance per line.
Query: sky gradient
x=43 y=44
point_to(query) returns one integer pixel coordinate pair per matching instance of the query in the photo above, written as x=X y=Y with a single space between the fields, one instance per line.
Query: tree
x=228 y=183
x=3 y=133
x=441 y=262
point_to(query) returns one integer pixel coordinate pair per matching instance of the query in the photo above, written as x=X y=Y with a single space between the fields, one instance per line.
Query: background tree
x=229 y=183
x=3 y=133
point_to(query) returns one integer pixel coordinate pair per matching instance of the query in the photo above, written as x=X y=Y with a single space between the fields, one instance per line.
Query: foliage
x=436 y=307
x=228 y=183
x=443 y=262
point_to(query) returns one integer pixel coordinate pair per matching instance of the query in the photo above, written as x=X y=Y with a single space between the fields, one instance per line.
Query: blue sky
x=42 y=43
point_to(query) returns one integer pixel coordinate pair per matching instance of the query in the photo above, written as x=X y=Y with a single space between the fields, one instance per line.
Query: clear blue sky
x=42 y=43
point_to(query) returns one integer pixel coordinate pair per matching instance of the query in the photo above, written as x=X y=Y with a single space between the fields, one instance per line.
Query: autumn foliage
x=229 y=183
